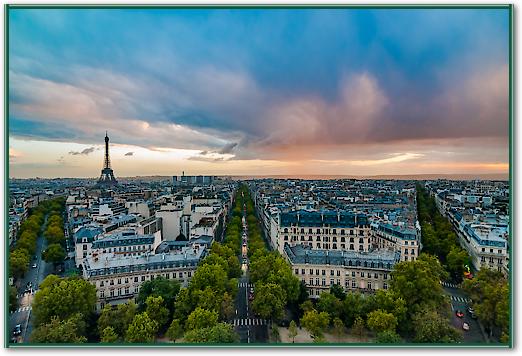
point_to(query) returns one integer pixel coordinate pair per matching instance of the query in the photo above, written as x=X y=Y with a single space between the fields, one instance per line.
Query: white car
x=465 y=326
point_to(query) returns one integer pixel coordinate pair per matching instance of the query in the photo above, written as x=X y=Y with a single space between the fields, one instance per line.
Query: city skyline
x=259 y=92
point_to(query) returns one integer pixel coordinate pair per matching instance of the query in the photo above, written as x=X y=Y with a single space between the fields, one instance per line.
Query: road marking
x=249 y=322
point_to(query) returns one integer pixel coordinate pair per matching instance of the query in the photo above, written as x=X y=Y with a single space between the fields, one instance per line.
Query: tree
x=315 y=322
x=118 y=318
x=269 y=301
x=70 y=330
x=157 y=311
x=54 y=254
x=209 y=276
x=175 y=330
x=292 y=331
x=379 y=321
x=431 y=327
x=219 y=333
x=456 y=259
x=388 y=337
x=338 y=328
x=108 y=335
x=227 y=307
x=13 y=301
x=26 y=243
x=358 y=327
x=330 y=304
x=274 y=333
x=308 y=305
x=18 y=262
x=201 y=318
x=352 y=307
x=183 y=305
x=337 y=291
x=54 y=234
x=489 y=291
x=63 y=298
x=142 y=329
x=389 y=302
x=168 y=289
x=418 y=282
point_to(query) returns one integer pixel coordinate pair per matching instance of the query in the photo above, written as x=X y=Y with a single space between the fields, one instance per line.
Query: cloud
x=129 y=154
x=228 y=148
x=85 y=151
x=399 y=157
x=341 y=88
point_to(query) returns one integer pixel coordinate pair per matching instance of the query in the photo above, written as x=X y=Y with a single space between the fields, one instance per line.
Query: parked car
x=459 y=314
x=34 y=265
x=17 y=330
x=465 y=326
x=471 y=310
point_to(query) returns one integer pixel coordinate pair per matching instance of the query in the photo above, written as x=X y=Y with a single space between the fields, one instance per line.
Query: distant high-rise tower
x=107 y=175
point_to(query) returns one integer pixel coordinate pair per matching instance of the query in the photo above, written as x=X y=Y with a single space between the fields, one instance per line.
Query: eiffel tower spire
x=107 y=174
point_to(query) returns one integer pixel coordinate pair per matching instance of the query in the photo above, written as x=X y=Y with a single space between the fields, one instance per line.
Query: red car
x=459 y=314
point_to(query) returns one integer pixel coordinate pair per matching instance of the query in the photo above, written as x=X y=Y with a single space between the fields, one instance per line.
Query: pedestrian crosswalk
x=21 y=309
x=249 y=321
x=245 y=285
x=460 y=299
x=449 y=285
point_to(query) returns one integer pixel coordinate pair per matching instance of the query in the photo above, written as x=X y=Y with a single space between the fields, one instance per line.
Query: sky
x=258 y=92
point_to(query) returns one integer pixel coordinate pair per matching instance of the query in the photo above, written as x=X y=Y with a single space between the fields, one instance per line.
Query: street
x=27 y=287
x=250 y=328
x=459 y=301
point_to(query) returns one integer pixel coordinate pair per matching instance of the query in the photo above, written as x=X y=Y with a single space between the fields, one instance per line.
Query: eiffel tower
x=107 y=175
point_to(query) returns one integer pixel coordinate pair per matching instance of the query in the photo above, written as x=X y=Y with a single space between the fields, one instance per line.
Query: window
x=142 y=278
x=406 y=251
x=362 y=274
x=332 y=281
x=351 y=232
x=499 y=251
x=135 y=279
x=405 y=258
x=334 y=231
x=119 y=280
x=302 y=271
x=102 y=294
x=332 y=272
x=338 y=273
x=385 y=285
x=111 y=293
x=119 y=292
x=324 y=272
x=375 y=275
x=101 y=283
x=354 y=285
x=317 y=281
x=324 y=282
x=286 y=238
x=351 y=247
x=318 y=245
x=84 y=247
x=343 y=239
x=353 y=273
x=385 y=276
x=361 y=232
x=317 y=272
x=369 y=285
x=297 y=271
x=312 y=272
x=343 y=246
x=361 y=241
x=413 y=251
x=111 y=282
x=127 y=290
x=302 y=238
x=342 y=232
x=309 y=231
x=189 y=273
x=180 y=275
x=334 y=246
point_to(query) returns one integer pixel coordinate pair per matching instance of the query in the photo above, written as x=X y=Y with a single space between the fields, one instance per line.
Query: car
x=473 y=315
x=459 y=314
x=251 y=290
x=471 y=310
x=17 y=330
x=34 y=265
x=465 y=326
